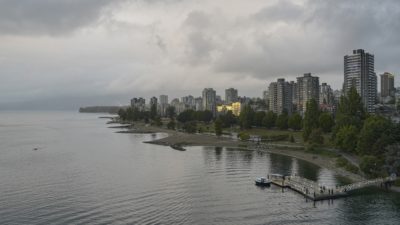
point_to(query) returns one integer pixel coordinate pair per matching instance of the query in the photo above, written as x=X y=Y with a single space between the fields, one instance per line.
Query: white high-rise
x=231 y=95
x=189 y=102
x=307 y=89
x=209 y=100
x=359 y=72
x=387 y=85
x=138 y=103
x=163 y=104
x=280 y=97
x=326 y=95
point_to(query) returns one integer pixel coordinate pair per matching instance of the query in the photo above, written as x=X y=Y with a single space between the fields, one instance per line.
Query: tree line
x=374 y=138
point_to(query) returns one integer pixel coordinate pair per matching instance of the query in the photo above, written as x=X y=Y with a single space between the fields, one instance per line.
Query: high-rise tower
x=387 y=85
x=359 y=72
x=209 y=100
x=307 y=89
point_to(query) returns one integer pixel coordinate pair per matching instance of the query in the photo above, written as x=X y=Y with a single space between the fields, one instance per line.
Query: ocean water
x=84 y=173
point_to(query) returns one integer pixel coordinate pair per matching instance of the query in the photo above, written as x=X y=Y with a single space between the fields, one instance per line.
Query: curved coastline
x=176 y=138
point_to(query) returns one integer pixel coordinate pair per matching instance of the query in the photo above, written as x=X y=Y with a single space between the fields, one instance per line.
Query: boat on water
x=262 y=181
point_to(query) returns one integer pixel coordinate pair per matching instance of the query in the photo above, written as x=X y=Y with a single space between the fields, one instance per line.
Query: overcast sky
x=68 y=53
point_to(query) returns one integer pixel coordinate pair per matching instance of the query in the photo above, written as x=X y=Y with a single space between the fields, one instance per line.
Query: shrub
x=171 y=125
x=190 y=127
x=244 y=136
x=278 y=137
x=316 y=137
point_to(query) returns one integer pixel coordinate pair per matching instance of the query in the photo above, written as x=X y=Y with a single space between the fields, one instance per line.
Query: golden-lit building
x=235 y=107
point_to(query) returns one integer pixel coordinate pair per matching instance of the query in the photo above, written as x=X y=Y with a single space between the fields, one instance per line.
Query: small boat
x=262 y=181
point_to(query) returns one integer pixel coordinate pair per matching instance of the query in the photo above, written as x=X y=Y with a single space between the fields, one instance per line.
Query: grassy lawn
x=273 y=132
x=206 y=127
x=397 y=183
x=297 y=135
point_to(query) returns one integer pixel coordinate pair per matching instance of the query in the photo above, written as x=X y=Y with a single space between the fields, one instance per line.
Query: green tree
x=350 y=111
x=218 y=127
x=346 y=138
x=282 y=121
x=352 y=105
x=171 y=124
x=157 y=121
x=186 y=116
x=269 y=119
x=392 y=158
x=228 y=119
x=132 y=114
x=190 y=127
x=153 y=111
x=311 y=116
x=295 y=121
x=122 y=114
x=258 y=118
x=374 y=136
x=326 y=122
x=246 y=117
x=316 y=137
x=205 y=116
x=170 y=111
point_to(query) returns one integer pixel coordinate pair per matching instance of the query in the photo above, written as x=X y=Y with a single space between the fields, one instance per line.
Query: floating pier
x=316 y=192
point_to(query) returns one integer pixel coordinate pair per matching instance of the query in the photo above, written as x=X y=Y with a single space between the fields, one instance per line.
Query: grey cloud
x=160 y=43
x=282 y=11
x=199 y=48
x=197 y=20
x=199 y=38
x=52 y=17
x=176 y=47
x=373 y=25
x=314 y=39
x=356 y=22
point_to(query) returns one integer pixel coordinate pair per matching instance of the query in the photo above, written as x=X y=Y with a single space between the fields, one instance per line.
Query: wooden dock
x=316 y=192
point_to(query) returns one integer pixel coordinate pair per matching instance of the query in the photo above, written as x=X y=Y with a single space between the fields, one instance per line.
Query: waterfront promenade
x=317 y=192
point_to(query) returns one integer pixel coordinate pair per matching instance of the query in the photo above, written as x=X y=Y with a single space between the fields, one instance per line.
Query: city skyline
x=67 y=54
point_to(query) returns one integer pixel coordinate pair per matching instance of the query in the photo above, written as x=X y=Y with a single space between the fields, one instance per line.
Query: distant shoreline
x=100 y=109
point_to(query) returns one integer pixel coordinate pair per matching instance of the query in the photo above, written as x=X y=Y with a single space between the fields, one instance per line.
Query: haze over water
x=84 y=173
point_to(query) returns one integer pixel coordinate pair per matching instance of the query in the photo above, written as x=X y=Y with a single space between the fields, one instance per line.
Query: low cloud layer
x=105 y=52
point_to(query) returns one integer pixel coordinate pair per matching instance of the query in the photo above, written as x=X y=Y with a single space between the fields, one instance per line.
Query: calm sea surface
x=84 y=173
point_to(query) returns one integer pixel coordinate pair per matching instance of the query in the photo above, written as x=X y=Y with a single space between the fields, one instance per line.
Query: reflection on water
x=84 y=173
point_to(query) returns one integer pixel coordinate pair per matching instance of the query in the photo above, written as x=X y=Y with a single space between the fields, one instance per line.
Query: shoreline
x=176 y=138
